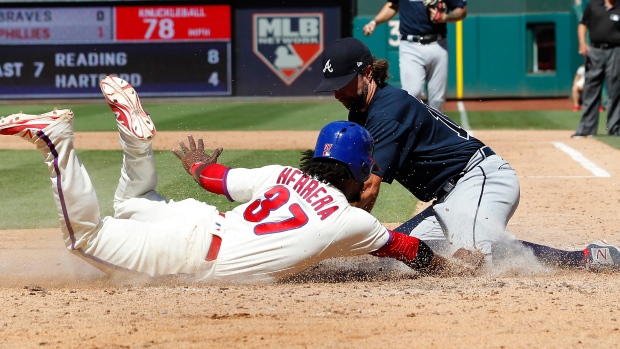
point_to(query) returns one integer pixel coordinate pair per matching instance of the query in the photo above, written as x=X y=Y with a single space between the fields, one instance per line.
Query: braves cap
x=342 y=60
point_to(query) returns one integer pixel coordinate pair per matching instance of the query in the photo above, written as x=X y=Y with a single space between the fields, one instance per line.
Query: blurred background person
x=423 y=48
x=578 y=82
x=601 y=20
x=577 y=90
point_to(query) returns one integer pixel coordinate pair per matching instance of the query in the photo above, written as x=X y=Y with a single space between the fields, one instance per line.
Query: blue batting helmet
x=348 y=143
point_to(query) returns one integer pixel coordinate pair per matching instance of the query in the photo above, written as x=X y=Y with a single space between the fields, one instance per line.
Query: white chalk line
x=569 y=177
x=464 y=119
x=575 y=155
x=582 y=160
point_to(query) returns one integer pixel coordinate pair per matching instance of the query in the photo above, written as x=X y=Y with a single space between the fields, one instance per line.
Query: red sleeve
x=213 y=179
x=400 y=246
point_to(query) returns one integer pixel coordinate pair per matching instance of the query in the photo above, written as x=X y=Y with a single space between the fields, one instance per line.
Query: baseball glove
x=438 y=5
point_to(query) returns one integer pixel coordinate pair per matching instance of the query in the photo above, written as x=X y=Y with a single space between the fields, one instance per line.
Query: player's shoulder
x=452 y=4
x=387 y=94
x=357 y=216
x=393 y=109
x=391 y=101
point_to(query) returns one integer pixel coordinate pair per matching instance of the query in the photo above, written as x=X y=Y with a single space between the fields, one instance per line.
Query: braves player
x=475 y=191
x=289 y=218
x=423 y=49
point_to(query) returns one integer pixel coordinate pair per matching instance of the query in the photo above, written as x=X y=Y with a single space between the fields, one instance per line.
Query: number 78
x=166 y=28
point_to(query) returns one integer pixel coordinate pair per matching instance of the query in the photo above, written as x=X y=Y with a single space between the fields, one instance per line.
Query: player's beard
x=360 y=101
x=356 y=196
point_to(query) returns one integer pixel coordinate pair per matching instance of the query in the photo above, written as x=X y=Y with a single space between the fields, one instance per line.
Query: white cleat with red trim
x=26 y=126
x=123 y=99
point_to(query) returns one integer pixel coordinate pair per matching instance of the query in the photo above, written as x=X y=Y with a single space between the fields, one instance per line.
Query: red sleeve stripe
x=213 y=179
x=400 y=246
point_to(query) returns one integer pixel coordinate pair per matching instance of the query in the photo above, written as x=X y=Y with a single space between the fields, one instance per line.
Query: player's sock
x=554 y=256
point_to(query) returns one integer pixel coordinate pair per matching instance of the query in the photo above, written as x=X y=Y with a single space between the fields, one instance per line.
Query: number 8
x=166 y=28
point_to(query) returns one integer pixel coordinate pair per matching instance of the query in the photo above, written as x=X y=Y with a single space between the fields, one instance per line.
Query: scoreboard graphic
x=161 y=50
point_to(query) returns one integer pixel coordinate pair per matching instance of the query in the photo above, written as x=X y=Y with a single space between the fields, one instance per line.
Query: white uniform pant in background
x=160 y=238
x=475 y=213
x=425 y=64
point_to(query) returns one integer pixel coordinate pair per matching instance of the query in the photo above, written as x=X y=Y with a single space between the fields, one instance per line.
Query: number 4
x=213 y=79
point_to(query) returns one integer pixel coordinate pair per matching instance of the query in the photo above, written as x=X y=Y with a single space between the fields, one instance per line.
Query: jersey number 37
x=260 y=209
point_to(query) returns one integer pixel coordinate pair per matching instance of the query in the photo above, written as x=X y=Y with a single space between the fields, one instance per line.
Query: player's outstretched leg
x=27 y=126
x=130 y=116
x=136 y=129
x=598 y=256
x=74 y=195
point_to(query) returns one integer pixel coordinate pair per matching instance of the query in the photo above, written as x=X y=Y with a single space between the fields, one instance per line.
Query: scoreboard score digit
x=173 y=23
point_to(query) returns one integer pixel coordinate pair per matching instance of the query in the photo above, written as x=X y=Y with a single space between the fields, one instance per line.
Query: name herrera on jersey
x=310 y=190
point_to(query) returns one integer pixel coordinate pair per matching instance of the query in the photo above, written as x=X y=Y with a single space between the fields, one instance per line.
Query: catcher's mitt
x=438 y=5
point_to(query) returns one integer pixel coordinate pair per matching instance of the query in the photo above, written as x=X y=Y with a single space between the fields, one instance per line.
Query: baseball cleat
x=601 y=255
x=26 y=126
x=124 y=102
x=579 y=135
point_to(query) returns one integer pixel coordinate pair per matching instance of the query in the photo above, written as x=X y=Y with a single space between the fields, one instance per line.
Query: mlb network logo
x=287 y=43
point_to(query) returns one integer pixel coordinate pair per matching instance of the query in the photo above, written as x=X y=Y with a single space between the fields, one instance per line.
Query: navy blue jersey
x=415 y=144
x=415 y=20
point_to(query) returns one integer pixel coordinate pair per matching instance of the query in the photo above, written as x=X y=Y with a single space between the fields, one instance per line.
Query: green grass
x=208 y=116
x=27 y=200
x=522 y=120
x=239 y=115
x=533 y=120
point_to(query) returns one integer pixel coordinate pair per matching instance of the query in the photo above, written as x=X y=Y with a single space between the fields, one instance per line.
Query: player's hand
x=370 y=28
x=437 y=16
x=463 y=263
x=583 y=49
x=473 y=259
x=195 y=153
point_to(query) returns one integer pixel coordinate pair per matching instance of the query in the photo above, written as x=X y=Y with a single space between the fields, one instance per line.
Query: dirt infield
x=49 y=298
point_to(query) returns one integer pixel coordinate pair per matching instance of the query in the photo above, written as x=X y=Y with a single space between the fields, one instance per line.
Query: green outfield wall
x=503 y=49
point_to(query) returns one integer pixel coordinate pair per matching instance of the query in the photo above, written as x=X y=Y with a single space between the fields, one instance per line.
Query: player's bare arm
x=194 y=158
x=582 y=29
x=455 y=15
x=370 y=192
x=386 y=13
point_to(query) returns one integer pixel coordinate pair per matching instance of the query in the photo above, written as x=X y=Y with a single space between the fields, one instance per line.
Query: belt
x=423 y=39
x=603 y=45
x=479 y=156
x=214 y=249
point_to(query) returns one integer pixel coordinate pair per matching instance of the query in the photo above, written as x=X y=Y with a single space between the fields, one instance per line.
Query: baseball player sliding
x=289 y=219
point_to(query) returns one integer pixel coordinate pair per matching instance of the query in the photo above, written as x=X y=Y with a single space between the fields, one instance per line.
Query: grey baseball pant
x=425 y=64
x=601 y=66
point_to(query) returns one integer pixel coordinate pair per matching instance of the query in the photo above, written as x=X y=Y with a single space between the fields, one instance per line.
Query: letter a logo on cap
x=328 y=66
